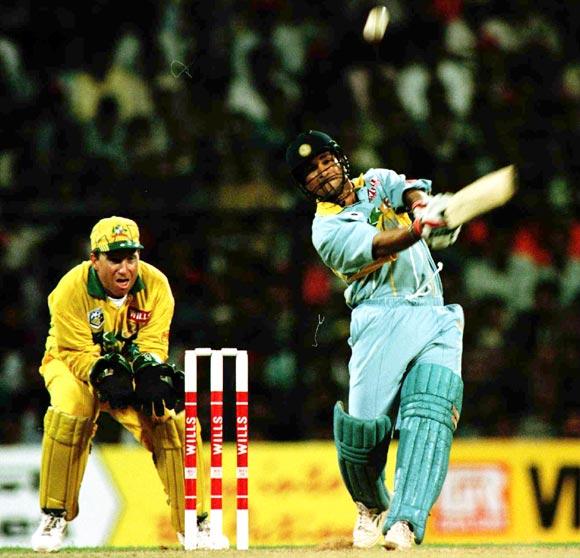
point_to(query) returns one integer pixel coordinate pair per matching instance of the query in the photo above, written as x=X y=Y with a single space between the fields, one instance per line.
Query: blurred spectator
x=17 y=85
x=105 y=139
x=144 y=152
x=546 y=249
x=485 y=268
x=105 y=76
x=185 y=112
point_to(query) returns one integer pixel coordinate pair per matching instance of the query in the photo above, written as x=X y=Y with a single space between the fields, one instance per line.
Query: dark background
x=177 y=114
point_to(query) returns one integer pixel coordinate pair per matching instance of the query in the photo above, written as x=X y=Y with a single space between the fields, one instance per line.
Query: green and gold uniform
x=86 y=324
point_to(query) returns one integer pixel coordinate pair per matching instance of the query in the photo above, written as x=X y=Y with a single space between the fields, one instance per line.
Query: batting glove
x=442 y=238
x=429 y=215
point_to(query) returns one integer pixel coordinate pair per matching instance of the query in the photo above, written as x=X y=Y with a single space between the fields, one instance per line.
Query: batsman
x=376 y=232
x=106 y=351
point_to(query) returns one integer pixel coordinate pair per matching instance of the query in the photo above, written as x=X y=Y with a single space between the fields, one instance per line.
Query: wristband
x=415 y=229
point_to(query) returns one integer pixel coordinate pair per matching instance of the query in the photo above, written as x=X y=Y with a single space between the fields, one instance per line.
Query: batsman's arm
x=415 y=199
x=400 y=190
x=389 y=242
x=428 y=222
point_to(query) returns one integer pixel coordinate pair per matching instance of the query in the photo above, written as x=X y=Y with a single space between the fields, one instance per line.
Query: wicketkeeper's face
x=117 y=270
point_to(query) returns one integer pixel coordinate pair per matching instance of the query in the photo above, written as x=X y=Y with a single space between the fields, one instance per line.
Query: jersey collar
x=329 y=208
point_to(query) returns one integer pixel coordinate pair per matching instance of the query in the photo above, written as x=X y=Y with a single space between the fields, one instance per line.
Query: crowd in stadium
x=178 y=116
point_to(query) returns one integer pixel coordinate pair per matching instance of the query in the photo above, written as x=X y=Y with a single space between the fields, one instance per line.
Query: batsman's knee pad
x=431 y=399
x=168 y=457
x=65 y=450
x=362 y=447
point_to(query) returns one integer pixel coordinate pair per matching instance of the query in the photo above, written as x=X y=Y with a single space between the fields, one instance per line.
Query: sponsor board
x=496 y=491
x=20 y=512
x=475 y=499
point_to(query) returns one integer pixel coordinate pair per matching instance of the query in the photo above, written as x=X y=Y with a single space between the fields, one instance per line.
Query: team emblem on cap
x=305 y=149
x=120 y=230
x=115 y=233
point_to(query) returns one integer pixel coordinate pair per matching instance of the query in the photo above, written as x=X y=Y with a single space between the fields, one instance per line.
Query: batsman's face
x=326 y=179
x=117 y=271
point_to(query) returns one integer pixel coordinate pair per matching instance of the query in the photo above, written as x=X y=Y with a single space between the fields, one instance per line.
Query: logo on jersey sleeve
x=96 y=318
x=141 y=317
x=372 y=190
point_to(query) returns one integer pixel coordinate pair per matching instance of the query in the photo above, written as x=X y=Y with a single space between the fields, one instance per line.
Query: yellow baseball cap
x=115 y=233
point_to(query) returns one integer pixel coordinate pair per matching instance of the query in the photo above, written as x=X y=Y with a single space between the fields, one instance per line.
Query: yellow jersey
x=86 y=324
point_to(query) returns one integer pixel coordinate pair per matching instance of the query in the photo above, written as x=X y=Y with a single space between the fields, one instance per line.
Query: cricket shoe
x=50 y=535
x=399 y=537
x=367 y=530
x=204 y=539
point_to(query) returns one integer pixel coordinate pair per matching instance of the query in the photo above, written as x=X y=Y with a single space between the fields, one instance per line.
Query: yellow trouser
x=69 y=426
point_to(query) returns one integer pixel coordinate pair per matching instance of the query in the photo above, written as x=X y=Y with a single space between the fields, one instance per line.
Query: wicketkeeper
x=106 y=351
x=405 y=368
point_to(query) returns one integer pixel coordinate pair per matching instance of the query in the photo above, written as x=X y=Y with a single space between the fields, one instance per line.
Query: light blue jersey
x=398 y=318
x=343 y=238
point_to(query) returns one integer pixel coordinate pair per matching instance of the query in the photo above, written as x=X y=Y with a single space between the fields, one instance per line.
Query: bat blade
x=486 y=193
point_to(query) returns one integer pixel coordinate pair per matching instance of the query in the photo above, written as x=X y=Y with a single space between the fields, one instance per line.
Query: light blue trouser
x=387 y=339
x=421 y=343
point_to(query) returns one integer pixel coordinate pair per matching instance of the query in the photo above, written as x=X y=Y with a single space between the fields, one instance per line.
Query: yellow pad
x=65 y=450
x=168 y=441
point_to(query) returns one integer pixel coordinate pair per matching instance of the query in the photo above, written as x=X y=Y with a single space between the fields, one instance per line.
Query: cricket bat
x=486 y=193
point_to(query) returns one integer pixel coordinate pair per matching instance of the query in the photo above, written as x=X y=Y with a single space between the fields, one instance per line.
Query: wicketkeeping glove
x=179 y=386
x=156 y=385
x=112 y=378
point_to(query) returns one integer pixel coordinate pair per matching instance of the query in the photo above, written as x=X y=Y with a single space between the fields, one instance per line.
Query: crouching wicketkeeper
x=106 y=350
